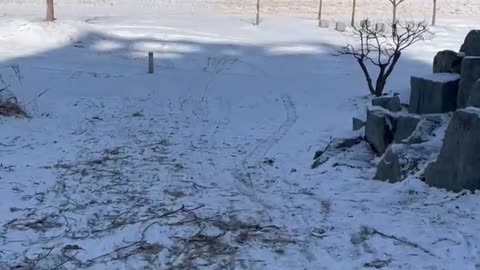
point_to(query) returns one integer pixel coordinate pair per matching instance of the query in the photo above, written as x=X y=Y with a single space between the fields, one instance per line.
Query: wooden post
x=353 y=13
x=434 y=16
x=320 y=6
x=257 y=17
x=150 y=63
x=50 y=11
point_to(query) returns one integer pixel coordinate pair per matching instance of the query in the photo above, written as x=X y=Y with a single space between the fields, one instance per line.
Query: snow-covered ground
x=206 y=163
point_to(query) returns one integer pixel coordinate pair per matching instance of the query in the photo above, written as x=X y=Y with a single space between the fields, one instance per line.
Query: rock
x=380 y=27
x=379 y=130
x=334 y=147
x=346 y=143
x=474 y=99
x=401 y=161
x=384 y=128
x=341 y=27
x=457 y=66
x=447 y=62
x=423 y=132
x=456 y=167
x=318 y=154
x=471 y=46
x=323 y=24
x=390 y=103
x=388 y=169
x=357 y=124
x=405 y=128
x=470 y=74
x=435 y=93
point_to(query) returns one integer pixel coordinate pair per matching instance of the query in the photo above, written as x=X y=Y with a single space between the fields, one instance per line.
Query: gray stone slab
x=474 y=99
x=435 y=93
x=389 y=169
x=392 y=104
x=470 y=74
x=457 y=165
x=379 y=130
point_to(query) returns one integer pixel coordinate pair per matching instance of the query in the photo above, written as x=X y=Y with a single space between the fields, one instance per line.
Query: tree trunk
x=367 y=76
x=50 y=11
x=320 y=6
x=381 y=82
x=434 y=16
x=396 y=57
x=394 y=20
x=257 y=17
x=353 y=13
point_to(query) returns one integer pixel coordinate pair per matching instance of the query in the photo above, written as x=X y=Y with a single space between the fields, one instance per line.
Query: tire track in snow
x=251 y=163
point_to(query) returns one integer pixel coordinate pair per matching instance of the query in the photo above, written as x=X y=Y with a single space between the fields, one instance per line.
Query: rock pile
x=390 y=132
x=409 y=139
x=452 y=84
x=405 y=140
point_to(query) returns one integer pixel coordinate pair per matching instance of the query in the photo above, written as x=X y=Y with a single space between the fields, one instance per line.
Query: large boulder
x=434 y=93
x=447 y=62
x=471 y=46
x=392 y=104
x=380 y=128
x=470 y=74
x=456 y=167
x=474 y=99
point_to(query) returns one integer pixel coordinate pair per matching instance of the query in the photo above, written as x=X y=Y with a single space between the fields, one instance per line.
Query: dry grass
x=9 y=106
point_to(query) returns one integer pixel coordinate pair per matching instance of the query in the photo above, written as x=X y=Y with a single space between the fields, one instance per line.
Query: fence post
x=257 y=17
x=353 y=13
x=320 y=6
x=151 y=63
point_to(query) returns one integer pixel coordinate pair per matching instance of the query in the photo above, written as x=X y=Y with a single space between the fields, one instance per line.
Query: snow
x=440 y=77
x=474 y=110
x=206 y=163
x=332 y=10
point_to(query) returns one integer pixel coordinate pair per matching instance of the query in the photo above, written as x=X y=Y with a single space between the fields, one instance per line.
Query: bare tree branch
x=383 y=50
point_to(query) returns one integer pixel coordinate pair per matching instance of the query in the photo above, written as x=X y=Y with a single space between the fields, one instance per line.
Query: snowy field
x=308 y=9
x=333 y=9
x=206 y=163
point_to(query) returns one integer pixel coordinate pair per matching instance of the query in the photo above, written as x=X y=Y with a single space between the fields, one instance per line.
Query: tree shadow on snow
x=308 y=69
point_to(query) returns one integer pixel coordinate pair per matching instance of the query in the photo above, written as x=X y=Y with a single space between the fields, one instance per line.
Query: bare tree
x=434 y=14
x=395 y=4
x=257 y=16
x=383 y=50
x=50 y=11
x=354 y=5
